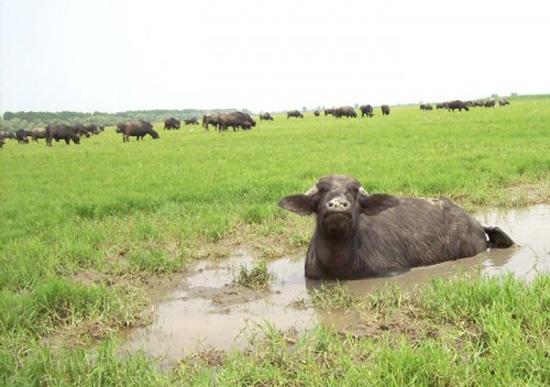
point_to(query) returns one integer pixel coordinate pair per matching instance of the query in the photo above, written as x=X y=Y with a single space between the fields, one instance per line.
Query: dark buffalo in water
x=235 y=120
x=294 y=113
x=266 y=117
x=366 y=110
x=191 y=121
x=210 y=119
x=385 y=110
x=426 y=106
x=171 y=123
x=343 y=111
x=360 y=235
x=138 y=129
x=316 y=113
x=62 y=132
x=457 y=104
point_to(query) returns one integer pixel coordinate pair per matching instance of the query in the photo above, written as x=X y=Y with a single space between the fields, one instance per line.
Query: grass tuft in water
x=258 y=277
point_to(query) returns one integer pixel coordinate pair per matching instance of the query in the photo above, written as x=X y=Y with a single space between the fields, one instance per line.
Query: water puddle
x=208 y=311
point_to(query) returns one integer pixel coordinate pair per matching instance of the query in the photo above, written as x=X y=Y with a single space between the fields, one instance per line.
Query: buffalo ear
x=300 y=204
x=375 y=204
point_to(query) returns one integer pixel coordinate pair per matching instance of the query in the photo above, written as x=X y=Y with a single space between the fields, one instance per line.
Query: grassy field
x=91 y=234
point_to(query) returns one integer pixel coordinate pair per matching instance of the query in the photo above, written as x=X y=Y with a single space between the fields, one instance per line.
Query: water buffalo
x=210 y=119
x=385 y=110
x=21 y=136
x=235 y=120
x=491 y=103
x=191 y=121
x=329 y=111
x=316 y=113
x=343 y=111
x=457 y=104
x=62 y=132
x=366 y=110
x=5 y=134
x=426 y=106
x=503 y=102
x=37 y=133
x=360 y=235
x=2 y=142
x=441 y=105
x=294 y=113
x=136 y=129
x=172 y=123
x=94 y=129
x=266 y=117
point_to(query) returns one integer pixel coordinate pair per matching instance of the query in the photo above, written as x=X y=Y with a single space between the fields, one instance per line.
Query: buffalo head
x=337 y=202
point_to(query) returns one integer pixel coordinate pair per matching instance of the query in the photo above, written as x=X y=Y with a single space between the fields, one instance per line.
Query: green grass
x=257 y=277
x=127 y=215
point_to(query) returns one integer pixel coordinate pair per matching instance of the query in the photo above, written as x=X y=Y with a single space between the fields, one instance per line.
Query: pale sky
x=124 y=55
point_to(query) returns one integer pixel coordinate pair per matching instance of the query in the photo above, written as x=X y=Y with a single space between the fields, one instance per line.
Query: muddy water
x=207 y=311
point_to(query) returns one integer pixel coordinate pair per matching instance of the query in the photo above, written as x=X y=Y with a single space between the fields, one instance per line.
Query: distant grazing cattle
x=366 y=110
x=266 y=117
x=235 y=120
x=441 y=105
x=343 y=111
x=37 y=133
x=171 y=123
x=2 y=142
x=21 y=136
x=210 y=119
x=359 y=235
x=426 y=106
x=191 y=121
x=138 y=129
x=503 y=102
x=294 y=113
x=316 y=113
x=385 y=110
x=62 y=132
x=491 y=103
x=457 y=104
x=7 y=135
x=329 y=111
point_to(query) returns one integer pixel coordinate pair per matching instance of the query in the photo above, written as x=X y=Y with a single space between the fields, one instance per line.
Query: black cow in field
x=366 y=110
x=37 y=133
x=343 y=111
x=191 y=121
x=21 y=136
x=457 y=104
x=361 y=235
x=266 y=117
x=491 y=103
x=441 y=105
x=171 y=123
x=503 y=102
x=316 y=113
x=294 y=113
x=94 y=129
x=235 y=120
x=7 y=135
x=62 y=132
x=138 y=129
x=210 y=119
x=385 y=110
x=426 y=107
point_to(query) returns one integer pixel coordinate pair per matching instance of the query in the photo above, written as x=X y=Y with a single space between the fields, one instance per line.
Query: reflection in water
x=207 y=311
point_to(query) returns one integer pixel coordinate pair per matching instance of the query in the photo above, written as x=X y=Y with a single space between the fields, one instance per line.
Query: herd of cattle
x=222 y=122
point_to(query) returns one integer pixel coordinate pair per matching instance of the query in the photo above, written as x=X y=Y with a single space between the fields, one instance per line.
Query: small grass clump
x=258 y=277
x=335 y=297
